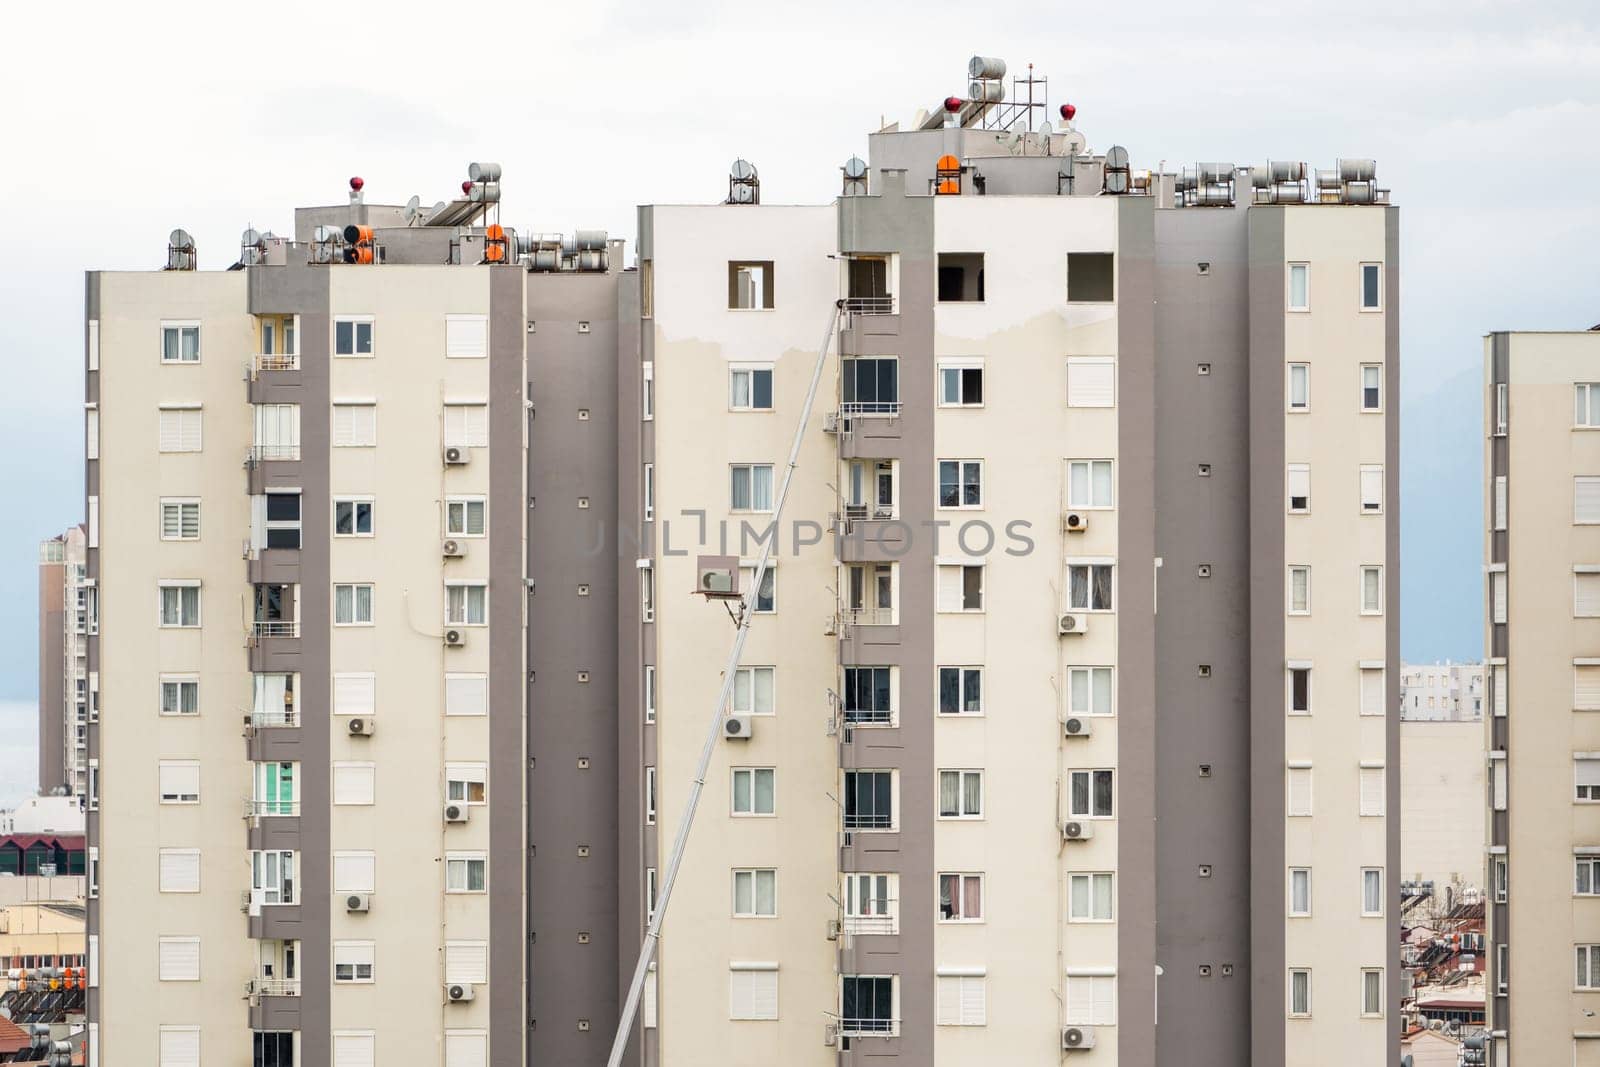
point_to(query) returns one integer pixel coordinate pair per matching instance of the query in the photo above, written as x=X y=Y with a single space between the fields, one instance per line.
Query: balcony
x=256 y=808
x=279 y=362
x=883 y=920
x=869 y=305
x=884 y=408
x=273 y=987
x=272 y=718
x=272 y=454
x=868 y=616
x=274 y=628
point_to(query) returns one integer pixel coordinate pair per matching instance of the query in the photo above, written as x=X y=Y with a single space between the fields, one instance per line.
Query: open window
x=867 y=286
x=960 y=277
x=1091 y=278
x=750 y=285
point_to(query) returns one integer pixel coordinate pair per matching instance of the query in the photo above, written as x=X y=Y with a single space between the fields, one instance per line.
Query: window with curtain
x=466 y=604
x=1300 y=891
x=755 y=893
x=1089 y=691
x=1090 y=896
x=1090 y=794
x=752 y=487
x=960 y=794
x=1090 y=586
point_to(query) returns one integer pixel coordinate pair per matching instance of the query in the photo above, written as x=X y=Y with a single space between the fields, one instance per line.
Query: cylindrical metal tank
x=1327 y=179
x=592 y=259
x=483 y=172
x=1214 y=196
x=544 y=259
x=1358 y=193
x=588 y=240
x=987 y=92
x=1358 y=170
x=484 y=193
x=1211 y=173
x=985 y=67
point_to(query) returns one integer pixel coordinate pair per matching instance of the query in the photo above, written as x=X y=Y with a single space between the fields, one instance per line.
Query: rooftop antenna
x=744 y=184
x=412 y=210
x=855 y=176
x=180 y=251
x=669 y=877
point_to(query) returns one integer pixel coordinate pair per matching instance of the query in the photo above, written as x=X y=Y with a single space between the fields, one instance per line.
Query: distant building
x=1441 y=692
x=44 y=815
x=66 y=611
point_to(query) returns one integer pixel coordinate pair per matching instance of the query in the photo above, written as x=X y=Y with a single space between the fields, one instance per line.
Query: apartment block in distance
x=1071 y=690
x=66 y=688
x=1542 y=558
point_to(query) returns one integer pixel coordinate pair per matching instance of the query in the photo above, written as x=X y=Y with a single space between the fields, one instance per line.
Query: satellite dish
x=436 y=208
x=855 y=168
x=413 y=208
x=1044 y=126
x=250 y=237
x=742 y=171
x=180 y=239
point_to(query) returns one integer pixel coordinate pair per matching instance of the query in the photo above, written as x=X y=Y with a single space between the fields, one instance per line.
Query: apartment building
x=1040 y=746
x=1441 y=692
x=66 y=618
x=1541 y=554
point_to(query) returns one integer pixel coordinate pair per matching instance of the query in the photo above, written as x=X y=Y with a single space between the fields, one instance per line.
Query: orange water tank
x=948 y=172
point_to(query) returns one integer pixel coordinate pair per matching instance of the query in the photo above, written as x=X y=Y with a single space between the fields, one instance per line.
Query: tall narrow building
x=66 y=688
x=1542 y=561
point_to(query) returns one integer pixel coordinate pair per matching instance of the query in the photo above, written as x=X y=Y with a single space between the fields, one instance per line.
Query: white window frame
x=961 y=997
x=750 y=471
x=1361 y=287
x=361 y=773
x=742 y=786
x=647 y=391
x=1588 y=954
x=749 y=372
x=649 y=693
x=1293 y=912
x=355 y=411
x=466 y=775
x=468 y=699
x=178 y=796
x=473 y=344
x=472 y=423
x=961 y=467
x=1294 y=569
x=181 y=505
x=466 y=612
x=1585 y=864
x=1099 y=1007
x=650 y=796
x=1304 y=370
x=461 y=863
x=754 y=875
x=362 y=863
x=1090 y=709
x=1288 y=784
x=1370 y=505
x=355 y=336
x=1499 y=594
x=179 y=327
x=958 y=366
x=962 y=566
x=747 y=581
x=958 y=915
x=1088 y=467
x=1502 y=409
x=355 y=603
x=191 y=859
x=1084 y=362
x=1288 y=494
x=180 y=681
x=161 y=963
x=464 y=504
x=1304 y=269
x=357 y=954
x=1072 y=810
x=1361 y=385
x=1586 y=405
x=1365 y=772
x=1091 y=562
x=1362 y=572
x=748 y=974
x=1366 y=873
x=354 y=499
x=647 y=485
x=1089 y=879
x=1305 y=1011
x=1289 y=671
x=747 y=676
x=180 y=584
x=647 y=592
x=961 y=689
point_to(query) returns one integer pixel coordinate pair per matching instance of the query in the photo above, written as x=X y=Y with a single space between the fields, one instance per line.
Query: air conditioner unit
x=458 y=992
x=736 y=727
x=1075 y=522
x=455 y=639
x=361 y=726
x=1076 y=831
x=1072 y=624
x=716 y=580
x=835 y=928
x=1074 y=1038
x=455 y=456
x=846 y=839
x=456 y=813
x=453 y=550
x=830 y=422
x=354 y=902
x=1076 y=726
x=830 y=1035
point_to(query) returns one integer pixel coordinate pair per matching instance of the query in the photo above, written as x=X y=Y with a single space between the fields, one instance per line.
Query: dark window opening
x=1091 y=277
x=960 y=276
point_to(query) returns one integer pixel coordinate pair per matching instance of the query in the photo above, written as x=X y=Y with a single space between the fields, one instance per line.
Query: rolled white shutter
x=466 y=694
x=1497 y=590
x=1586 y=594
x=171 y=430
x=466 y=962
x=353 y=1050
x=648 y=1006
x=764 y=994
x=91 y=434
x=354 y=694
x=1586 y=500
x=1300 y=482
x=949 y=1000
x=353 y=783
x=180 y=870
x=466 y=1049
x=1586 y=688
x=974 y=1001
x=466 y=336
x=1372 y=791
x=179 y=959
x=1299 y=790
x=180 y=1047
x=950 y=588
x=1498 y=681
x=1500 y=502
x=1105 y=991
x=1091 y=383
x=1372 y=695
x=741 y=995
x=1371 y=488
x=189 y=430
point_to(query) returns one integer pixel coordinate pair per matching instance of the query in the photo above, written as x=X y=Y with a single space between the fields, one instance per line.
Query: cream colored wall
x=133 y=736
x=1441 y=798
x=1546 y=920
x=696 y=437
x=411 y=915
x=1335 y=438
x=1025 y=330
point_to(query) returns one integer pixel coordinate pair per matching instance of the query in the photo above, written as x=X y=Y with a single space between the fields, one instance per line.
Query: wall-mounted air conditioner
x=736 y=727
x=1072 y=624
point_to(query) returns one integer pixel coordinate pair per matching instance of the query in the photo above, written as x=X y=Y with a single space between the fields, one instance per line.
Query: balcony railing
x=262 y=453
x=290 y=361
x=869 y=305
x=886 y=922
x=869 y=616
x=272 y=807
x=870 y=407
x=869 y=1027
x=274 y=987
x=285 y=716
x=869 y=716
x=275 y=628
x=869 y=820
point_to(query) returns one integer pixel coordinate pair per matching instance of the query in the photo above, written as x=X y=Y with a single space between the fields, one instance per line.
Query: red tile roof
x=13 y=1038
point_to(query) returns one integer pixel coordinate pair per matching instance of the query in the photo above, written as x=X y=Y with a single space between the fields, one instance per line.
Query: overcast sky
x=123 y=121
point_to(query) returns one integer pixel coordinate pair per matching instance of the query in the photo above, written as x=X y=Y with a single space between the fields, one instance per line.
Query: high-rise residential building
x=1441 y=692
x=1542 y=558
x=66 y=687
x=1063 y=701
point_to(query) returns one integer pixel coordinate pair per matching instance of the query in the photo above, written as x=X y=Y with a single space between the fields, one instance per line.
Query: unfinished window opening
x=1091 y=278
x=750 y=285
x=960 y=277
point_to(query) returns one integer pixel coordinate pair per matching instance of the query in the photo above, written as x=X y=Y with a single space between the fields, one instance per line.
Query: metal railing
x=869 y=616
x=870 y=407
x=869 y=820
x=869 y=305
x=869 y=1027
x=886 y=920
x=275 y=628
x=275 y=987
x=869 y=716
x=290 y=361
x=284 y=716
x=264 y=453
x=271 y=807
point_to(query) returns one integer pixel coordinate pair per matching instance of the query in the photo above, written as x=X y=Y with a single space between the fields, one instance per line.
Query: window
x=1371 y=387
x=1090 y=794
x=870 y=386
x=1498 y=689
x=1091 y=278
x=272 y=876
x=1299 y=590
x=1299 y=287
x=352 y=336
x=752 y=991
x=179 y=429
x=1497 y=595
x=1502 y=409
x=764 y=601
x=179 y=870
x=91 y=432
x=869 y=491
x=1371 y=992
x=354 y=1048
x=868 y=800
x=355 y=425
x=960 y=483
x=648 y=483
x=1371 y=287
x=752 y=487
x=275 y=788
x=1299 y=783
x=867 y=695
x=1498 y=783
x=1586 y=404
x=1300 y=690
x=466 y=425
x=866 y=1004
x=960 y=383
x=466 y=336
x=355 y=872
x=1371 y=490
x=277 y=431
x=466 y=603
x=1091 y=998
x=179 y=959
x=1299 y=488
x=869 y=903
x=649 y=896
x=354 y=783
x=1300 y=991
x=750 y=285
x=870 y=594
x=1091 y=382
x=180 y=342
x=650 y=693
x=1371 y=891
x=649 y=796
x=1090 y=897
x=647 y=385
x=352 y=517
x=352 y=605
x=960 y=587
x=1586 y=874
x=750 y=388
x=1299 y=892
x=466 y=694
x=1501 y=882
x=960 y=690
x=755 y=893
x=753 y=690
x=178 y=1046
x=1090 y=586
x=1374 y=698
x=1502 y=980
x=960 y=277
x=962 y=999
x=1299 y=387
x=1372 y=590
x=180 y=781
x=355 y=693
x=466 y=783
x=465 y=516
x=1089 y=483
x=754 y=790
x=180 y=520
x=647 y=594
x=277 y=516
x=180 y=694
x=1089 y=691
x=466 y=872
x=353 y=960
x=1588 y=969
x=960 y=794
x=466 y=1048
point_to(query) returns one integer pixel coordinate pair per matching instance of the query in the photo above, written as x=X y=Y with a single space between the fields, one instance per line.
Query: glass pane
x=1102 y=792
x=764 y=791
x=762 y=489
x=1080 y=896
x=972 y=793
x=741 y=488
x=191 y=344
x=739 y=383
x=1102 y=485
x=949 y=492
x=742 y=690
x=1078 y=491
x=1080 y=792
x=343 y=338
x=1102 y=690
x=762 y=392
x=743 y=893
x=973 y=690
x=364 y=338
x=1102 y=896
x=764 y=678
x=1102 y=587
x=949 y=793
x=1078 y=596
x=766 y=892
x=950 y=386
x=949 y=690
x=971 y=484
x=169 y=345
x=363 y=603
